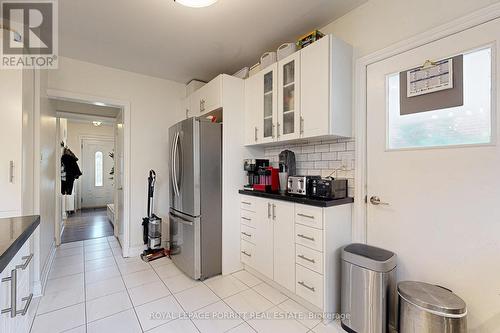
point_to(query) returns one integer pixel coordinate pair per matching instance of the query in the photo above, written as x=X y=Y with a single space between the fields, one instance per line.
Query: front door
x=97 y=182
x=433 y=177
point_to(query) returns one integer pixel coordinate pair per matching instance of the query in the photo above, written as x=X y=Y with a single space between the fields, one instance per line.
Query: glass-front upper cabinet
x=289 y=122
x=269 y=76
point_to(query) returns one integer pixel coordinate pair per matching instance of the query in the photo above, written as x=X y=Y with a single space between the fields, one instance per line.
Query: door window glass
x=463 y=125
x=98 y=169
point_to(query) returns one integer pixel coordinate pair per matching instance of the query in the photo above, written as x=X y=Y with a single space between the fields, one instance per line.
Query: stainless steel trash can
x=426 y=308
x=368 y=295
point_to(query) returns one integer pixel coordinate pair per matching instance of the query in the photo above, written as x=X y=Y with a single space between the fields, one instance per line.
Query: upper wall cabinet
x=205 y=99
x=306 y=95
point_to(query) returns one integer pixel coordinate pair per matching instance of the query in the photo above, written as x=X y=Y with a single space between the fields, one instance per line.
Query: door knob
x=376 y=201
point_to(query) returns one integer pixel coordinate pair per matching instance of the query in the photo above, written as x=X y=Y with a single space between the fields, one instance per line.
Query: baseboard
x=136 y=251
x=44 y=275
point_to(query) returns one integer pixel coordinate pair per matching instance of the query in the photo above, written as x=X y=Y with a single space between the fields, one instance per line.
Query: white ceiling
x=164 y=39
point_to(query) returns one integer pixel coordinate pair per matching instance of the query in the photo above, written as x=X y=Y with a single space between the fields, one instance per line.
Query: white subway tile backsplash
x=314 y=157
x=338 y=146
x=321 y=165
x=321 y=148
x=334 y=157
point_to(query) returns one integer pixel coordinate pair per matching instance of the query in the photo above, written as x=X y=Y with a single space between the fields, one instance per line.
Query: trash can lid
x=433 y=298
x=369 y=257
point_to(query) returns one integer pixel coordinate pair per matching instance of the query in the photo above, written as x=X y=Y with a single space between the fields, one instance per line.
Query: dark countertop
x=300 y=200
x=14 y=232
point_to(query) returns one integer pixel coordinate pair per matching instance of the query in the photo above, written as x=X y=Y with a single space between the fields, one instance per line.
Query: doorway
x=432 y=179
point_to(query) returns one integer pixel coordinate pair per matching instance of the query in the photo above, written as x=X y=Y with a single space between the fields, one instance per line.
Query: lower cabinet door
x=309 y=286
x=264 y=238
x=284 y=244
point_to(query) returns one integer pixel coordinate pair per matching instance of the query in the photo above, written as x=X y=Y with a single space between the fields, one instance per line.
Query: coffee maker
x=252 y=167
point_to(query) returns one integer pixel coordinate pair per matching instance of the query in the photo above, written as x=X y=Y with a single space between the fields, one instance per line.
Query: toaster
x=299 y=185
x=329 y=188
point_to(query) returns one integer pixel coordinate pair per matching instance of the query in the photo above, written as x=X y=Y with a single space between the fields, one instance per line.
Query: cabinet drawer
x=248 y=218
x=309 y=285
x=247 y=233
x=309 y=237
x=248 y=203
x=247 y=253
x=310 y=216
x=309 y=258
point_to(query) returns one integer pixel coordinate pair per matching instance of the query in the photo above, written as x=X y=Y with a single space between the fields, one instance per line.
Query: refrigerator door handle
x=174 y=161
x=180 y=219
x=172 y=179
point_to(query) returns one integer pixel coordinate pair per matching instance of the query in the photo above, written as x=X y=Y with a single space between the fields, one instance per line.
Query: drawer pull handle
x=246 y=203
x=246 y=218
x=247 y=254
x=26 y=306
x=301 y=256
x=302 y=283
x=26 y=263
x=306 y=237
x=13 y=293
x=248 y=235
x=306 y=216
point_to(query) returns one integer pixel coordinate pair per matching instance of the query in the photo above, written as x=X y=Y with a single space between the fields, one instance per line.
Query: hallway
x=87 y=224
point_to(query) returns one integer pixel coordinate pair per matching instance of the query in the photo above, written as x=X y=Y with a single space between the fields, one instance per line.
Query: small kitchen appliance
x=251 y=166
x=299 y=185
x=268 y=180
x=287 y=162
x=328 y=188
x=152 y=226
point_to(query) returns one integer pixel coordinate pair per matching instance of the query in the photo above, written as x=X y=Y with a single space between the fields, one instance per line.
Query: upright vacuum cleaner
x=152 y=226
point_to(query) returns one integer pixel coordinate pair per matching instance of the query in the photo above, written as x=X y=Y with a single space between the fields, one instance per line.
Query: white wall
x=155 y=106
x=380 y=23
x=46 y=150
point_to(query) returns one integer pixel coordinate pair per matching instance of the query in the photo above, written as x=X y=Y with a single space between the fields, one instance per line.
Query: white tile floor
x=91 y=288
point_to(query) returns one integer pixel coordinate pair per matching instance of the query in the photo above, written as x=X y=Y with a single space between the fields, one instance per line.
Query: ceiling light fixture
x=196 y=3
x=99 y=104
x=97 y=123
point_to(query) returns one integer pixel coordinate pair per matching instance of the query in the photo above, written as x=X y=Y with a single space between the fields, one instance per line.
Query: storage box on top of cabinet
x=306 y=95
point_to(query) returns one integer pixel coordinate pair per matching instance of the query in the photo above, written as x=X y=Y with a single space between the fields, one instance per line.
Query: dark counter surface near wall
x=300 y=200
x=14 y=232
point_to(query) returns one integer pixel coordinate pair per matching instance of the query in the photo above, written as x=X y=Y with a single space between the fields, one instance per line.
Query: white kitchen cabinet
x=186 y=106
x=206 y=99
x=288 y=123
x=253 y=109
x=269 y=100
x=21 y=322
x=326 y=88
x=306 y=95
x=11 y=112
x=284 y=244
x=296 y=247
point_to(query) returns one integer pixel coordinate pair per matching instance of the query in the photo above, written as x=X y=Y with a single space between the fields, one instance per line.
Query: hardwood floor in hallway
x=87 y=224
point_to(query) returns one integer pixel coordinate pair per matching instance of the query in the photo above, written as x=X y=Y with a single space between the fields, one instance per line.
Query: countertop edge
x=299 y=200
x=16 y=245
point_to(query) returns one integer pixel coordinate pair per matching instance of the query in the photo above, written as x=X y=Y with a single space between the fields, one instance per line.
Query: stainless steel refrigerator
x=196 y=197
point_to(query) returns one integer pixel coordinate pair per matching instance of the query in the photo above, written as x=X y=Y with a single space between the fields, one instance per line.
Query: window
x=464 y=125
x=98 y=169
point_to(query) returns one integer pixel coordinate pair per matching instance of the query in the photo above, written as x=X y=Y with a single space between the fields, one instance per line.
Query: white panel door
x=97 y=185
x=264 y=238
x=11 y=112
x=443 y=212
x=284 y=243
x=253 y=110
x=315 y=88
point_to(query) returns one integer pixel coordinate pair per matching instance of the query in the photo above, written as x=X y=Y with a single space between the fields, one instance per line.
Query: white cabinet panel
x=309 y=286
x=247 y=233
x=288 y=123
x=253 y=109
x=309 y=216
x=309 y=237
x=264 y=238
x=309 y=258
x=284 y=243
x=11 y=110
x=269 y=93
x=315 y=88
